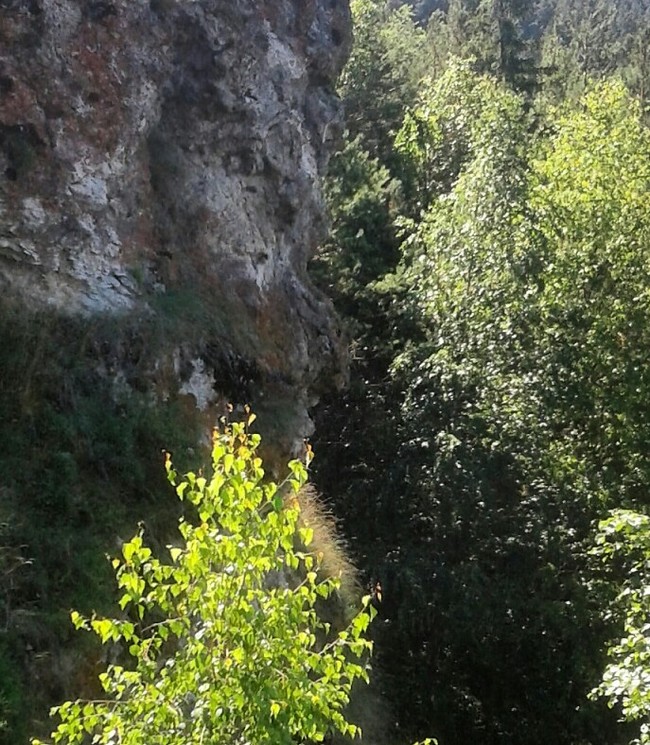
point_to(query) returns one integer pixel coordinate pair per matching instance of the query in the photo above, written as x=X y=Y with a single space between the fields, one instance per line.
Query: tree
x=623 y=541
x=225 y=639
x=470 y=591
x=454 y=116
x=524 y=406
x=362 y=245
x=592 y=39
x=515 y=410
x=499 y=36
x=590 y=230
x=382 y=74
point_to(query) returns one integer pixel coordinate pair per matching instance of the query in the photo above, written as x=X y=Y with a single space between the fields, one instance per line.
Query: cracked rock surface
x=167 y=154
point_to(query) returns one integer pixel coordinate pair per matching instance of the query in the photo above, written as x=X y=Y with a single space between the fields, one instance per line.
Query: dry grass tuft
x=333 y=558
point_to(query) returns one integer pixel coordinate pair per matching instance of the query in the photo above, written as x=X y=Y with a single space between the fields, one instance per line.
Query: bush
x=225 y=641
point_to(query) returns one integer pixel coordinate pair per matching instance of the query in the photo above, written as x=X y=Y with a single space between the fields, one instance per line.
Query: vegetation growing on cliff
x=80 y=460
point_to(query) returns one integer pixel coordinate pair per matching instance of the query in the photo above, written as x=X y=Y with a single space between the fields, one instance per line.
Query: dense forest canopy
x=490 y=251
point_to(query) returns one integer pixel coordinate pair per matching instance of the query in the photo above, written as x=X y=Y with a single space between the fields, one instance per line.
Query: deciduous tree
x=221 y=641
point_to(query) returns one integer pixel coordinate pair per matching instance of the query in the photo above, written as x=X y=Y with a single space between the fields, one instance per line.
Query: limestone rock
x=165 y=154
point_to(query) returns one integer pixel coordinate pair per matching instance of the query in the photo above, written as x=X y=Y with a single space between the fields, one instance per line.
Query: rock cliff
x=161 y=159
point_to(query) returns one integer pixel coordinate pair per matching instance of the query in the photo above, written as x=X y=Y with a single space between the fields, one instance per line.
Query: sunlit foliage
x=223 y=635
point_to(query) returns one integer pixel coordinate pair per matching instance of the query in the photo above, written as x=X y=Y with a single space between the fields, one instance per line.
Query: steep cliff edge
x=164 y=157
x=160 y=197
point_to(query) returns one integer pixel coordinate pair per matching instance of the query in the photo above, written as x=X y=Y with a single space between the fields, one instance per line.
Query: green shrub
x=225 y=641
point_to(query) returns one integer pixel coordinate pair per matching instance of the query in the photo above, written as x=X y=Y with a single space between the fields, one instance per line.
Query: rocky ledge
x=162 y=159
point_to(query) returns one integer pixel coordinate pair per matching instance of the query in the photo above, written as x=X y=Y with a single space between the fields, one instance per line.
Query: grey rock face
x=173 y=148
